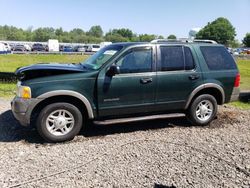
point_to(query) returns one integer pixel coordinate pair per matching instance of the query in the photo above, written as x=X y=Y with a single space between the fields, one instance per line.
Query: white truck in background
x=103 y=44
x=53 y=45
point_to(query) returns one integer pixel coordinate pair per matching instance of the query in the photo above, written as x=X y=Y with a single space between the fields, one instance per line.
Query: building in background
x=192 y=33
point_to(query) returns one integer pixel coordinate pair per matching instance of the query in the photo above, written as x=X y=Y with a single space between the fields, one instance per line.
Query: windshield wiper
x=85 y=66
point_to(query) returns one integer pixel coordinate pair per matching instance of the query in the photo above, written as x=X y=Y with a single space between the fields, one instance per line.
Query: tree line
x=94 y=35
x=220 y=30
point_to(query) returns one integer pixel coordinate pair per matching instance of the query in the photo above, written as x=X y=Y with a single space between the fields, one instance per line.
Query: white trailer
x=53 y=45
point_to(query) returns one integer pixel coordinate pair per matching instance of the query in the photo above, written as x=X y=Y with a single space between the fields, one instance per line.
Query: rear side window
x=217 y=58
x=172 y=58
x=175 y=58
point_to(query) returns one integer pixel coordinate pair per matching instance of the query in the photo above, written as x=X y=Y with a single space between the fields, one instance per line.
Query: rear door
x=178 y=74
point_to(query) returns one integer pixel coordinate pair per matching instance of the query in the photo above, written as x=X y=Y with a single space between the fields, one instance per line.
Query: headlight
x=23 y=92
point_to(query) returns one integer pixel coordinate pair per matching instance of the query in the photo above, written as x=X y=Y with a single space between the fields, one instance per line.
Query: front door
x=133 y=89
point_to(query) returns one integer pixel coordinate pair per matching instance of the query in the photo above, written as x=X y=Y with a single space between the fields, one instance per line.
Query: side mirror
x=113 y=70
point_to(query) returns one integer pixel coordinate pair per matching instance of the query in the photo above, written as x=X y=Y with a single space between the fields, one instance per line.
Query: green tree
x=115 y=38
x=160 y=37
x=246 y=40
x=171 y=36
x=220 y=30
x=123 y=34
x=126 y=33
x=59 y=34
x=44 y=34
x=234 y=44
x=95 y=31
x=147 y=37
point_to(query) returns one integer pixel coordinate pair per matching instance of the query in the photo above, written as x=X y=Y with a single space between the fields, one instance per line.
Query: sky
x=161 y=17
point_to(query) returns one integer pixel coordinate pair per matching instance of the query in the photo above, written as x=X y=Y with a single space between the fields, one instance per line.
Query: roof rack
x=183 y=40
x=170 y=40
x=205 y=41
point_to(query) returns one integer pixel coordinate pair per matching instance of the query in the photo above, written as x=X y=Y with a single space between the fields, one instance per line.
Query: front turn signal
x=24 y=92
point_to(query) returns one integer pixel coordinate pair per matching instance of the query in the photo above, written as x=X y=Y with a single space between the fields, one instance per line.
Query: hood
x=48 y=69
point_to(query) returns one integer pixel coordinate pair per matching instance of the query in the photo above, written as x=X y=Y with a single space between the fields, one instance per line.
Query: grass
x=244 y=67
x=10 y=62
x=7 y=89
x=241 y=105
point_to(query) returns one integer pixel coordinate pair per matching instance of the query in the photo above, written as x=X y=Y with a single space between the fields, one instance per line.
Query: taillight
x=237 y=80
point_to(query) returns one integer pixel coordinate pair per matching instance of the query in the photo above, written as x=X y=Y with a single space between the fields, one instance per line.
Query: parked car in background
x=61 y=47
x=68 y=49
x=38 y=47
x=79 y=49
x=3 y=49
x=103 y=44
x=27 y=47
x=12 y=46
x=7 y=46
x=93 y=48
x=246 y=51
x=20 y=48
x=237 y=51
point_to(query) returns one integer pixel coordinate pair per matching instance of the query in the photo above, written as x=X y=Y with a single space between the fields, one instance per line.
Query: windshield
x=95 y=61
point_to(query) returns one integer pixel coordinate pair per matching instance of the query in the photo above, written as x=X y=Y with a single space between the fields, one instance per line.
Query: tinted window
x=189 y=60
x=172 y=58
x=135 y=61
x=217 y=58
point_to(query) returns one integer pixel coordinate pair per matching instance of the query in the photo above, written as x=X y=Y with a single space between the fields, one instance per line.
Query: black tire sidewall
x=192 y=109
x=41 y=122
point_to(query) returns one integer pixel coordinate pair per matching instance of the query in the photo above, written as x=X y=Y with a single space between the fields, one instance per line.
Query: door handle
x=146 y=80
x=193 y=77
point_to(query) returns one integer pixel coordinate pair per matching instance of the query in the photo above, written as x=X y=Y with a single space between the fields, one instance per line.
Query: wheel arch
x=209 y=88
x=75 y=98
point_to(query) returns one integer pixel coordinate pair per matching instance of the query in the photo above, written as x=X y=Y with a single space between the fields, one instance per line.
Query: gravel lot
x=155 y=153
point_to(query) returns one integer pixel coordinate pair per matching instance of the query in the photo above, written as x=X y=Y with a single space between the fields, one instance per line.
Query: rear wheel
x=59 y=122
x=202 y=110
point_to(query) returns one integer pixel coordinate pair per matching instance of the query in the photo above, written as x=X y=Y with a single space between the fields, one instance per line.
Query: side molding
x=203 y=86
x=70 y=93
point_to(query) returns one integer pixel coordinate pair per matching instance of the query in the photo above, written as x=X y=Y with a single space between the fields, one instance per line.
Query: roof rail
x=205 y=41
x=183 y=40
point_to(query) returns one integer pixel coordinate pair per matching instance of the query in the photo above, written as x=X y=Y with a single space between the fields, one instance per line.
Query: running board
x=141 y=118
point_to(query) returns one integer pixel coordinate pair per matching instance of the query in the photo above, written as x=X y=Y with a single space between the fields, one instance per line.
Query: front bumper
x=22 y=109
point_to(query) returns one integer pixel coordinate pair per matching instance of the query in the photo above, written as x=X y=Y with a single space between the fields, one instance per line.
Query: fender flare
x=72 y=94
x=204 y=86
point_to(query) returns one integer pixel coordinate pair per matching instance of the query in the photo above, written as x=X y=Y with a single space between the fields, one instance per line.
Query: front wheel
x=59 y=122
x=202 y=110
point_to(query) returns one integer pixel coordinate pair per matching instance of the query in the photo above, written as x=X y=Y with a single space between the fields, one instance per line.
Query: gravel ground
x=155 y=153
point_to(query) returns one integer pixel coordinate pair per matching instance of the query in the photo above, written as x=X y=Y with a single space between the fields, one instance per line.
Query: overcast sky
x=162 y=17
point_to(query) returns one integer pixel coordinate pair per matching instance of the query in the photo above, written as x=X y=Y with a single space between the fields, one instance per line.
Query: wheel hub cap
x=204 y=110
x=60 y=122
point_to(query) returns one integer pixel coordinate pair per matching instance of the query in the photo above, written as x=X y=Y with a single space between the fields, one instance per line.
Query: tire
x=202 y=110
x=59 y=122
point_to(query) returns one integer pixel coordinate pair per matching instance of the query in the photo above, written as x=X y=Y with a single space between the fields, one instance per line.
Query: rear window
x=217 y=58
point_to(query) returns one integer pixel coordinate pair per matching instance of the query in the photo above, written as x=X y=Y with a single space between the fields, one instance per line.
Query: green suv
x=125 y=80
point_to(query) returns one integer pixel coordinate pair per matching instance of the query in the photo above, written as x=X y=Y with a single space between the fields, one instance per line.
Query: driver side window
x=136 y=60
